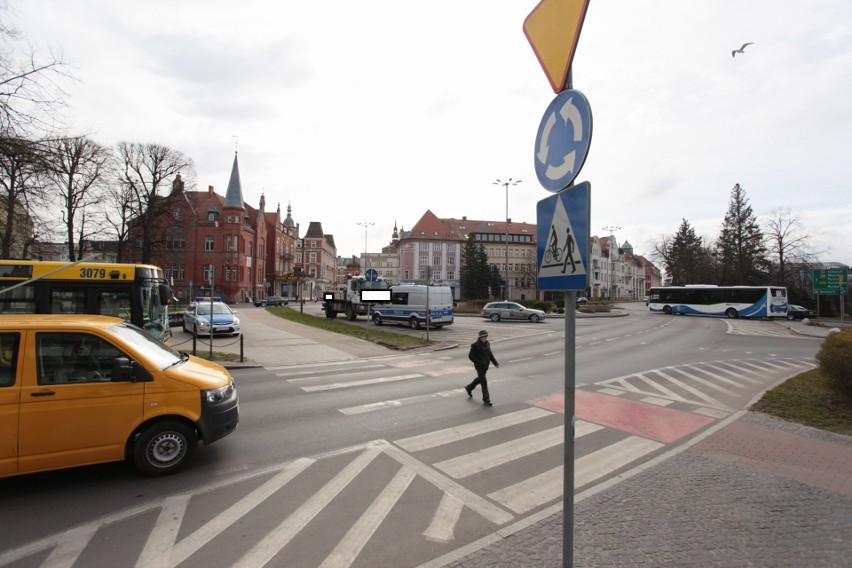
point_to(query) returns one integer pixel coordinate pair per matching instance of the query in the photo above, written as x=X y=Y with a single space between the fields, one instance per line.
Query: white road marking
x=265 y=550
x=476 y=462
x=365 y=382
x=470 y=430
x=348 y=549
x=445 y=519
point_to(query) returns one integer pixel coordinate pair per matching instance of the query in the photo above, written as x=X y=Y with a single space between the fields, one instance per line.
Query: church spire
x=234 y=195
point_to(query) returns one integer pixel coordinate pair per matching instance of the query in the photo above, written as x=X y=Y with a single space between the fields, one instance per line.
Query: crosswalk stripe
x=476 y=462
x=470 y=430
x=716 y=376
x=265 y=550
x=309 y=375
x=361 y=383
x=531 y=493
x=710 y=384
x=738 y=372
x=682 y=385
x=348 y=549
x=445 y=519
x=473 y=501
x=606 y=460
x=656 y=385
x=191 y=544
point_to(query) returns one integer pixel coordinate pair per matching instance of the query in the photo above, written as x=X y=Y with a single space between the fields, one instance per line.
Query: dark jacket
x=481 y=355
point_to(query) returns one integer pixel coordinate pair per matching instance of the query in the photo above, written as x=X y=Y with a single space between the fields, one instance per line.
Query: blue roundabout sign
x=563 y=139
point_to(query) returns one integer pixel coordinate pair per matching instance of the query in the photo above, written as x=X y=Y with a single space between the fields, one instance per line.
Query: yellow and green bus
x=137 y=293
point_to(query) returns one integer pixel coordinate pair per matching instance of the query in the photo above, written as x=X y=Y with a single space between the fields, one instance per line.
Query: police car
x=197 y=318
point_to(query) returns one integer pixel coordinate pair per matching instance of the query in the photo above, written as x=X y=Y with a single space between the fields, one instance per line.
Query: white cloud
x=381 y=110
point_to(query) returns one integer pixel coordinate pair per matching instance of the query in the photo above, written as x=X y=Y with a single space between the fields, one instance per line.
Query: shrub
x=546 y=307
x=835 y=359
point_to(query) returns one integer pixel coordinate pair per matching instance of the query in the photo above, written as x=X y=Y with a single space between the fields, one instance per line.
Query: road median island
x=389 y=339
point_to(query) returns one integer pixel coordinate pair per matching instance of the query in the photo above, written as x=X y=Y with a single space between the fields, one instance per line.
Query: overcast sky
x=378 y=110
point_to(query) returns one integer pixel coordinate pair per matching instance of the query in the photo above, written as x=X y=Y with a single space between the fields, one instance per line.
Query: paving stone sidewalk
x=758 y=492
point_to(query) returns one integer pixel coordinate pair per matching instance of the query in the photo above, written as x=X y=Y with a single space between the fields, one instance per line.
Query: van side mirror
x=125 y=370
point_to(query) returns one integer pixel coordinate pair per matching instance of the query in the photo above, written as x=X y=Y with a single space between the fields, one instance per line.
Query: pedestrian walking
x=481 y=355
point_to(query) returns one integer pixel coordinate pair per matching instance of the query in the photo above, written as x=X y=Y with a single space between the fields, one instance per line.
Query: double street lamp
x=365 y=224
x=506 y=184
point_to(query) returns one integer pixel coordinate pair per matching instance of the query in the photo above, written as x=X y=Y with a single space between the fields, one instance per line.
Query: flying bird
x=740 y=50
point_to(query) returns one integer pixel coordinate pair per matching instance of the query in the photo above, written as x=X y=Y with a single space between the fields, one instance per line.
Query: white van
x=408 y=306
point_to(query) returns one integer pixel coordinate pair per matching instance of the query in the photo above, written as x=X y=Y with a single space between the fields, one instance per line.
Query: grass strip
x=812 y=400
x=386 y=338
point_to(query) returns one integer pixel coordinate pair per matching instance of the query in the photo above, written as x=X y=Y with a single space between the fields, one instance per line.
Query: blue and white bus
x=719 y=301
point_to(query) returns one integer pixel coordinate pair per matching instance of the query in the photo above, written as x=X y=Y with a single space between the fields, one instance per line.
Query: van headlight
x=236 y=321
x=216 y=396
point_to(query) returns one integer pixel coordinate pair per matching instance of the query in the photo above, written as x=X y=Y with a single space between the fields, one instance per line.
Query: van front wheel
x=164 y=448
x=414 y=323
x=377 y=319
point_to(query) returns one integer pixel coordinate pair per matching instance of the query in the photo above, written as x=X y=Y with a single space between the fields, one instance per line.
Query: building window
x=230 y=219
x=424 y=259
x=181 y=272
x=436 y=260
x=208 y=272
x=436 y=246
x=313 y=257
x=451 y=260
x=424 y=246
x=208 y=243
x=451 y=275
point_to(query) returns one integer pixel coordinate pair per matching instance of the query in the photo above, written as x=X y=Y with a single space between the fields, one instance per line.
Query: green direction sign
x=830 y=281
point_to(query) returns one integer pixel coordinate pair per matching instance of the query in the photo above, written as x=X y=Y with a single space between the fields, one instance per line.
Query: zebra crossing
x=758 y=327
x=446 y=494
x=428 y=494
x=712 y=388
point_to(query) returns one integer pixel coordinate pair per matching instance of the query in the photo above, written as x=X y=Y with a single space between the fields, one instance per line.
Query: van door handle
x=43 y=393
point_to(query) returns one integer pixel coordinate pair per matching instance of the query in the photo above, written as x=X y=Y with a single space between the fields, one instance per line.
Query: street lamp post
x=365 y=224
x=611 y=229
x=506 y=184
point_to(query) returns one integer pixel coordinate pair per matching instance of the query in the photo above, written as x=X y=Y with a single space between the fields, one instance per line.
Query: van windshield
x=160 y=354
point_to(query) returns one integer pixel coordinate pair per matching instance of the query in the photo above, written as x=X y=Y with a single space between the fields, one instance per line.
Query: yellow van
x=78 y=390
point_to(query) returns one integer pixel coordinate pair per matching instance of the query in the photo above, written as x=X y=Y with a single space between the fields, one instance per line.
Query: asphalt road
x=348 y=453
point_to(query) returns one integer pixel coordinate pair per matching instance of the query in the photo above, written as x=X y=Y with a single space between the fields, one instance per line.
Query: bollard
x=242 y=337
x=193 y=343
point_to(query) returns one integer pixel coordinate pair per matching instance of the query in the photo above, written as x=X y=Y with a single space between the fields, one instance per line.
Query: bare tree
x=147 y=170
x=21 y=163
x=118 y=205
x=30 y=90
x=76 y=171
x=787 y=241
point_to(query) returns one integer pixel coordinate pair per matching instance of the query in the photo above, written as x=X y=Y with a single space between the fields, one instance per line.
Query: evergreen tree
x=685 y=258
x=741 y=249
x=476 y=275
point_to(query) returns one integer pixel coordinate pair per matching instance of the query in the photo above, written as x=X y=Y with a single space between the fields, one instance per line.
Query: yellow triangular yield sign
x=553 y=29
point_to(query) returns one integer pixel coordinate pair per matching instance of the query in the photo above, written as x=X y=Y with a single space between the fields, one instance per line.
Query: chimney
x=209 y=190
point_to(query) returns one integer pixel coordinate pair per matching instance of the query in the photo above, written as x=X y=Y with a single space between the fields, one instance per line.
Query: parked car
x=197 y=318
x=272 y=301
x=495 y=311
x=795 y=312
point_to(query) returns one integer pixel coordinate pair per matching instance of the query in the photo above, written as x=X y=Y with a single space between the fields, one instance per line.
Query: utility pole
x=506 y=184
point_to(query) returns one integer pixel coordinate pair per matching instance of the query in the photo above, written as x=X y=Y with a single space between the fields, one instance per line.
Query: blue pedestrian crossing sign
x=563 y=239
x=563 y=139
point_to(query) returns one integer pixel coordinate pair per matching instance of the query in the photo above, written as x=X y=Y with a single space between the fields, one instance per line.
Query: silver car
x=495 y=311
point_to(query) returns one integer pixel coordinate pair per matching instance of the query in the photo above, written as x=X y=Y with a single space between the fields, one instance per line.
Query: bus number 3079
x=92 y=273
